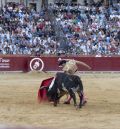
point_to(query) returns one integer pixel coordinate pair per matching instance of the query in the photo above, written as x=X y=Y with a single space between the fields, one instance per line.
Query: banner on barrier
x=27 y=63
x=4 y=63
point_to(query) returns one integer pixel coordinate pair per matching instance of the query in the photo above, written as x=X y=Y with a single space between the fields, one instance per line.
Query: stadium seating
x=87 y=30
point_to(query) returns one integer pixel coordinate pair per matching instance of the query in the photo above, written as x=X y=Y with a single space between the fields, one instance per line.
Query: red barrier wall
x=21 y=63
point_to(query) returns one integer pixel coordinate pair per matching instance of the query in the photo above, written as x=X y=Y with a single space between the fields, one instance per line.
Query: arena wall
x=22 y=63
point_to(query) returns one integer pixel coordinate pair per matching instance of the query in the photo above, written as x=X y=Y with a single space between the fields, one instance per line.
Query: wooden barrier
x=22 y=63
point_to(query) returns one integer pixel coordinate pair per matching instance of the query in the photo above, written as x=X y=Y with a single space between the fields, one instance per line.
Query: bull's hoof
x=55 y=105
x=78 y=107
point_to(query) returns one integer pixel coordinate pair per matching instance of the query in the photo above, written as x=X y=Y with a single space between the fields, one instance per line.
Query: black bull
x=63 y=84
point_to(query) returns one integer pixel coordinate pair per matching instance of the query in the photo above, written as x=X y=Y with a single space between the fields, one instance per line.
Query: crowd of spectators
x=25 y=31
x=88 y=30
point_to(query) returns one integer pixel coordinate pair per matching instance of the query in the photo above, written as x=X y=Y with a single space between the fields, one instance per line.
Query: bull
x=66 y=84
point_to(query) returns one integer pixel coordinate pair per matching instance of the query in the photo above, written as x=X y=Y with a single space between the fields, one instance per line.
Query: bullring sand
x=19 y=105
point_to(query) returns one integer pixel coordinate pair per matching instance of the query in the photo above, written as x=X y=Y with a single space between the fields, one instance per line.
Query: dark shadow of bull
x=63 y=84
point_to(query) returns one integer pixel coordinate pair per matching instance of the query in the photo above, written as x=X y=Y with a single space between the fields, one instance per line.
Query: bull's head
x=53 y=96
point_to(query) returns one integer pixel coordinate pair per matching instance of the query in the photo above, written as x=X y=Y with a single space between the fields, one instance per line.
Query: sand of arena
x=19 y=106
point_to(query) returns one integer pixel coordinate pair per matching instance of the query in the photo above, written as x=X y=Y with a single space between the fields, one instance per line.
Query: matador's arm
x=77 y=62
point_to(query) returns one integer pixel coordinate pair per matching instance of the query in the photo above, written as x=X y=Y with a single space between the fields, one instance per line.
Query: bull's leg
x=80 y=93
x=72 y=94
x=56 y=99
x=55 y=103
